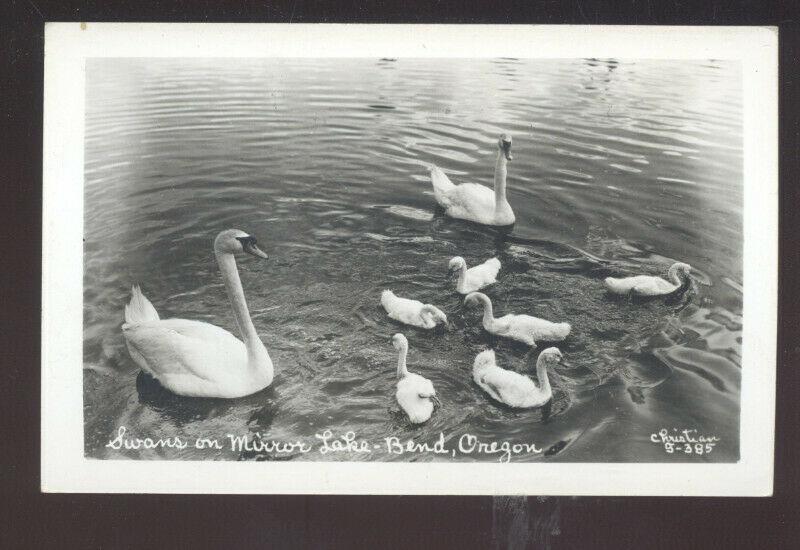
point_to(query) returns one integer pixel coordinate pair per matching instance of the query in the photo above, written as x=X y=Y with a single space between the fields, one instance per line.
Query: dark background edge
x=31 y=519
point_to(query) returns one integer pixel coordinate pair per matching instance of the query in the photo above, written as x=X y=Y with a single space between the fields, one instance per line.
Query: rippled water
x=620 y=167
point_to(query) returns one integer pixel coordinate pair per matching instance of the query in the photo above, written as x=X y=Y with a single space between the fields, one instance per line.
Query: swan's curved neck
x=427 y=312
x=541 y=374
x=673 y=275
x=402 y=370
x=462 y=277
x=500 y=172
x=233 y=285
x=488 y=313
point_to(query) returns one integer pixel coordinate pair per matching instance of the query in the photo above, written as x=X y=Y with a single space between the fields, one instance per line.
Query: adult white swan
x=524 y=328
x=474 y=278
x=512 y=388
x=411 y=312
x=195 y=358
x=415 y=393
x=473 y=202
x=647 y=285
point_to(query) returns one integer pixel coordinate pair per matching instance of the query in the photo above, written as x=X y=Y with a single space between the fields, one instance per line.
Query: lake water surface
x=620 y=167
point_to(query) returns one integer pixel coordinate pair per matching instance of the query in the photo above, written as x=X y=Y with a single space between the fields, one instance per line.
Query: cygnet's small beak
x=436 y=401
x=251 y=248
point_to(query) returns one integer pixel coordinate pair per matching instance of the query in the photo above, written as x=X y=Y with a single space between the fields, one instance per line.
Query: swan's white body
x=411 y=312
x=648 y=285
x=415 y=393
x=473 y=202
x=477 y=277
x=524 y=328
x=199 y=359
x=512 y=388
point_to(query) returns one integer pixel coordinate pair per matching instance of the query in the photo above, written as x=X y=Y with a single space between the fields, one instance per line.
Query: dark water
x=620 y=167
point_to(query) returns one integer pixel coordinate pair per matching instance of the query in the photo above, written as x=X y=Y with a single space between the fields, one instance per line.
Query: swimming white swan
x=512 y=388
x=524 y=328
x=195 y=358
x=647 y=285
x=411 y=312
x=474 y=278
x=473 y=202
x=415 y=393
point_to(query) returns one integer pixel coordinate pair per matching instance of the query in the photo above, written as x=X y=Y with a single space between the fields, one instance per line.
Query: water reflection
x=621 y=167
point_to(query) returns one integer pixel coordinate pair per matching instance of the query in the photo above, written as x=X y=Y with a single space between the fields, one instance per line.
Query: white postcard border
x=67 y=45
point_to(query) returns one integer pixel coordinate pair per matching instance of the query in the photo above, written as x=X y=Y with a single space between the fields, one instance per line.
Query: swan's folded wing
x=507 y=385
x=405 y=310
x=408 y=391
x=503 y=325
x=441 y=185
x=534 y=325
x=484 y=274
x=413 y=305
x=644 y=289
x=653 y=286
x=437 y=312
x=471 y=201
x=425 y=388
x=637 y=283
x=490 y=388
x=182 y=347
x=492 y=268
x=617 y=286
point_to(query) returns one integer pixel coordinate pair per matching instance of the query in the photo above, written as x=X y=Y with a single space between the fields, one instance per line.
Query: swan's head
x=233 y=241
x=484 y=360
x=399 y=342
x=504 y=144
x=456 y=264
x=476 y=298
x=682 y=269
x=434 y=314
x=550 y=357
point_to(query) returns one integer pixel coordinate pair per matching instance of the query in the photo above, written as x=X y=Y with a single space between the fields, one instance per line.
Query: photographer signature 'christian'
x=686 y=441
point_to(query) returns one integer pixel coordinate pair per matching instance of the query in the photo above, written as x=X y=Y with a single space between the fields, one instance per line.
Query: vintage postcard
x=409 y=259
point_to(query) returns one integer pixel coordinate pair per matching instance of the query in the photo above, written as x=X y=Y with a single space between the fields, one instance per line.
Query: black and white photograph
x=501 y=261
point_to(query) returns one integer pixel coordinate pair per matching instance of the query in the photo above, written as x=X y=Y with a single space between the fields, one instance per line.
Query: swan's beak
x=567 y=364
x=506 y=145
x=251 y=248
